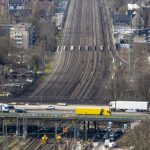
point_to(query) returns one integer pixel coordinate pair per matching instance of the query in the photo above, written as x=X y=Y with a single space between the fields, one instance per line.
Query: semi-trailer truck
x=129 y=105
x=92 y=111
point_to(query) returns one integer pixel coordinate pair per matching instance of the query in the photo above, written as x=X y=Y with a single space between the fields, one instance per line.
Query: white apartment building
x=22 y=35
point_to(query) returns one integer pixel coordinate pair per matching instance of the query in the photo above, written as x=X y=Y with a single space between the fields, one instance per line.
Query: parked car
x=50 y=108
x=114 y=135
x=19 y=110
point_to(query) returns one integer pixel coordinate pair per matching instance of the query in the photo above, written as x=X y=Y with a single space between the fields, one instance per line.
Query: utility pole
x=41 y=98
x=5 y=142
x=129 y=55
x=74 y=139
x=129 y=51
x=17 y=127
x=129 y=59
x=24 y=134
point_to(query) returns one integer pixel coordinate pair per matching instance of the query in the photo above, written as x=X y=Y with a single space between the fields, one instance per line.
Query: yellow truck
x=92 y=111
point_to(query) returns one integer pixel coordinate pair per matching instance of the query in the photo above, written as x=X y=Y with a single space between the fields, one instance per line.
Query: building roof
x=133 y=7
x=145 y=12
x=24 y=12
x=23 y=26
x=121 y=19
x=18 y=2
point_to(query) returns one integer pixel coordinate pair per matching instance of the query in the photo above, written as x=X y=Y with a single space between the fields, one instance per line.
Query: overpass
x=77 y=124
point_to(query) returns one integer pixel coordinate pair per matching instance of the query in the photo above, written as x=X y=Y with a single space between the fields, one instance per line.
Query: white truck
x=4 y=108
x=129 y=105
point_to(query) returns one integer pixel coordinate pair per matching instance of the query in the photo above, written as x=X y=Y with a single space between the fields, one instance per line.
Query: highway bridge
x=83 y=55
x=70 y=115
x=65 y=123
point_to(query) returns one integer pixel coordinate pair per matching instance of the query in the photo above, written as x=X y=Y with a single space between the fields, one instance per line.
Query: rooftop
x=22 y=26
x=121 y=19
x=16 y=2
x=133 y=7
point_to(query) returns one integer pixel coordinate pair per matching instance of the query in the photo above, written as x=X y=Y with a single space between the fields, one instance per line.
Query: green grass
x=1 y=139
x=50 y=65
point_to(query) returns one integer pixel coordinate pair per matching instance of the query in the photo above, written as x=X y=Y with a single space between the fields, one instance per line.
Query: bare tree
x=35 y=16
x=143 y=84
x=35 y=62
x=5 y=46
x=139 y=137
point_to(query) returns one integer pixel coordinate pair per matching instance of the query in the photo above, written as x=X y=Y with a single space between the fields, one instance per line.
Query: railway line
x=52 y=144
x=7 y=141
x=83 y=55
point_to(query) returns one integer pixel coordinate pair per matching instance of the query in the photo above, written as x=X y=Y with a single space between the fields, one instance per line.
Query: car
x=50 y=108
x=105 y=136
x=19 y=110
x=118 y=133
x=11 y=107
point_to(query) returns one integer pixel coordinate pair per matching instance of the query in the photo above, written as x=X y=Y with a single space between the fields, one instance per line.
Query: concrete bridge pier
x=85 y=130
x=24 y=132
x=95 y=126
x=88 y=125
x=78 y=128
x=17 y=127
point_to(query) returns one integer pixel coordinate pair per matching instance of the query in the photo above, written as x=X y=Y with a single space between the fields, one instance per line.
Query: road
x=69 y=111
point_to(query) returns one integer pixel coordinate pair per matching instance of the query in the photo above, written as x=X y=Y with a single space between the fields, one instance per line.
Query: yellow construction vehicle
x=58 y=138
x=65 y=130
x=44 y=139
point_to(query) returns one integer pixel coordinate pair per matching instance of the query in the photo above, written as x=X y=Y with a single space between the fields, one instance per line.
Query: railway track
x=53 y=145
x=83 y=66
x=32 y=144
x=8 y=142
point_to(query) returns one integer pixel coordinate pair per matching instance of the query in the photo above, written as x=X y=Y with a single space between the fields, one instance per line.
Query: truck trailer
x=129 y=105
x=92 y=111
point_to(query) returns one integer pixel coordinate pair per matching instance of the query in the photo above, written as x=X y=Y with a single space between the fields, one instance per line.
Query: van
x=4 y=108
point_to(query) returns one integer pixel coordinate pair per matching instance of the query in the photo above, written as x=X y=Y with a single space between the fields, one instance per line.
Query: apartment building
x=3 y=8
x=23 y=35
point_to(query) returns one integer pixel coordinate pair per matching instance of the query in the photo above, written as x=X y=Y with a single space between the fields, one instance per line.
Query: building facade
x=23 y=35
x=16 y=4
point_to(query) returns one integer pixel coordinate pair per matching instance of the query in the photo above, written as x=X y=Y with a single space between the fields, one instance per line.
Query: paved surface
x=42 y=107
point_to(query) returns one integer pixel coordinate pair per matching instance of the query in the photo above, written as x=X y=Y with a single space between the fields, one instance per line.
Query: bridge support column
x=24 y=129
x=95 y=126
x=85 y=129
x=17 y=127
x=56 y=128
x=88 y=126
x=75 y=136
x=78 y=128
